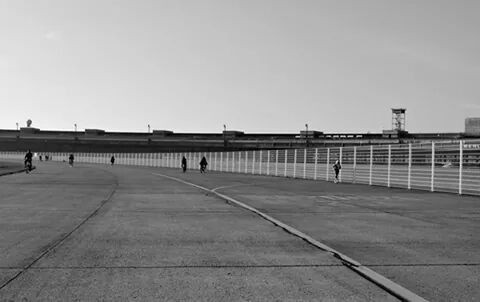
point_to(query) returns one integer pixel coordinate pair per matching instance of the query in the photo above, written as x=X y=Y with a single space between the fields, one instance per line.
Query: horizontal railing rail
x=438 y=166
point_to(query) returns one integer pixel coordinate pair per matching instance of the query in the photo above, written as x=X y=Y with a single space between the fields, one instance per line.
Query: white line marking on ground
x=232 y=186
x=385 y=283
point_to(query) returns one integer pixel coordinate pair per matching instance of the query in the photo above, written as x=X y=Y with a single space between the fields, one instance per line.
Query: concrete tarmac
x=10 y=167
x=114 y=233
x=426 y=242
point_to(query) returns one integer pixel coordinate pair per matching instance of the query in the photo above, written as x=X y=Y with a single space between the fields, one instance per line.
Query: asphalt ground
x=123 y=233
x=9 y=167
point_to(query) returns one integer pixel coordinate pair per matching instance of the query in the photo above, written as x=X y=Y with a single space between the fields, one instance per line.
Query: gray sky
x=254 y=65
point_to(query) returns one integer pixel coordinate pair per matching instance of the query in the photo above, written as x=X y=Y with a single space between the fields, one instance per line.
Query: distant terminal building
x=472 y=126
x=98 y=140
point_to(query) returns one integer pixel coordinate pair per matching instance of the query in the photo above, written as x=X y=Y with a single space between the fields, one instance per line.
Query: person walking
x=184 y=164
x=112 y=160
x=70 y=159
x=336 y=167
x=203 y=165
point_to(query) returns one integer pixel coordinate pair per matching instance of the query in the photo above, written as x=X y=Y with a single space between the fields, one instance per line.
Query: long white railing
x=441 y=166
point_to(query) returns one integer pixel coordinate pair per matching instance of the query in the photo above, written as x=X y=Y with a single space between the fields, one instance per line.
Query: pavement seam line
x=381 y=281
x=61 y=240
x=231 y=266
x=179 y=266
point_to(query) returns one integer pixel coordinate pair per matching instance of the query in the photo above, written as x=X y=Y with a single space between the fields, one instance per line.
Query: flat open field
x=117 y=233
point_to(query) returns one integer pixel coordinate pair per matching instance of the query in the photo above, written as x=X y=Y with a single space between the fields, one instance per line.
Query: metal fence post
x=371 y=166
x=389 y=164
x=409 y=177
x=276 y=162
x=226 y=161
x=239 y=161
x=221 y=161
x=460 y=168
x=432 y=180
x=260 y=163
x=305 y=163
x=328 y=164
x=340 y=160
x=286 y=157
x=354 y=164
x=210 y=160
x=234 y=163
x=295 y=163
x=215 y=161
x=246 y=162
x=253 y=162
x=268 y=162
x=316 y=162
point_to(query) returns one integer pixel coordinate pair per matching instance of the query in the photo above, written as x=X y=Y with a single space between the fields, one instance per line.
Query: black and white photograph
x=239 y=150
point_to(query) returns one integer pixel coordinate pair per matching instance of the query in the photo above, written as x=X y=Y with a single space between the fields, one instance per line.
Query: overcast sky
x=254 y=65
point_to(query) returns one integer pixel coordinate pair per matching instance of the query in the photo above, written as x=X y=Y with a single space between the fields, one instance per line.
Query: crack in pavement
x=56 y=243
x=177 y=266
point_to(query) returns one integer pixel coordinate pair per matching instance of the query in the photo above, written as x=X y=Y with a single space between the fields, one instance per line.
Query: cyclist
x=28 y=160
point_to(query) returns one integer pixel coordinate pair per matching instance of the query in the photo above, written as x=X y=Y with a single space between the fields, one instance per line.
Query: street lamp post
x=148 y=128
x=224 y=136
x=17 y=126
x=306 y=135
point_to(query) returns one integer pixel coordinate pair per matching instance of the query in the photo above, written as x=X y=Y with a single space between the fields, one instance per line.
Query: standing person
x=70 y=159
x=112 y=160
x=336 y=167
x=203 y=165
x=184 y=164
x=28 y=161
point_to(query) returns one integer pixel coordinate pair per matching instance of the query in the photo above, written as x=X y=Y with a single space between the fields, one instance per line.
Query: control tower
x=398 y=119
x=398 y=124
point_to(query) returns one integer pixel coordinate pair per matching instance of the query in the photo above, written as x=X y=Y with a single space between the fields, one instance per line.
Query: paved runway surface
x=124 y=233
x=8 y=167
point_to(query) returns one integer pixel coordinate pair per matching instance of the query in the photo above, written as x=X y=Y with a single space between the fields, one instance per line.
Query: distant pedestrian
x=337 y=167
x=112 y=160
x=203 y=165
x=184 y=164
x=40 y=157
x=70 y=160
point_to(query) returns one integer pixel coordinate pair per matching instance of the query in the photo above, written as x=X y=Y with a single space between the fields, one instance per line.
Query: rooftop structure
x=98 y=140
